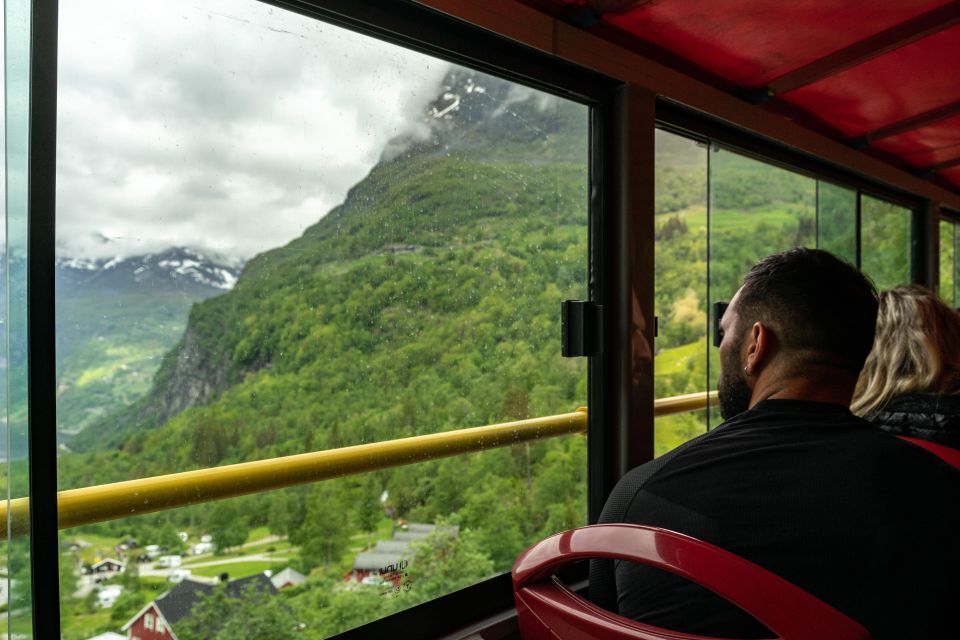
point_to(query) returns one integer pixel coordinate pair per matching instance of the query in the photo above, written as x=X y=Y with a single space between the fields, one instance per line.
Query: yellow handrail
x=99 y=503
x=683 y=404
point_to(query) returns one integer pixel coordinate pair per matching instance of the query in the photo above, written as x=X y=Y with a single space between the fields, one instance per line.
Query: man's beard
x=733 y=390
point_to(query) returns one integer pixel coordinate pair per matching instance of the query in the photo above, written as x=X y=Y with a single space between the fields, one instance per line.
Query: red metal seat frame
x=547 y=610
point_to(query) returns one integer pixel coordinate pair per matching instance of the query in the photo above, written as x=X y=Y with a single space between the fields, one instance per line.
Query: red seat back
x=947 y=454
x=547 y=610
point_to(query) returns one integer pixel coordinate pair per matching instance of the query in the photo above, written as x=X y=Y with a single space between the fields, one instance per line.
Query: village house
x=105 y=569
x=158 y=619
x=389 y=559
x=287 y=578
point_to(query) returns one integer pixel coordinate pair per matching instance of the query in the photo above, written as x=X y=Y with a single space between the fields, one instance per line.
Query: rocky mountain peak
x=174 y=268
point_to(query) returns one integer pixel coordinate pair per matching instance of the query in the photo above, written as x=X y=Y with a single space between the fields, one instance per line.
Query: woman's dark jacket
x=925 y=416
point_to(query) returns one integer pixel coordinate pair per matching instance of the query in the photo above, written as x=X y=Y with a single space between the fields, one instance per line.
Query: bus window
x=884 y=242
x=837 y=221
x=681 y=283
x=278 y=236
x=948 y=261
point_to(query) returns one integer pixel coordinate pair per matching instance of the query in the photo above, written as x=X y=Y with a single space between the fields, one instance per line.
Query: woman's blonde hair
x=916 y=350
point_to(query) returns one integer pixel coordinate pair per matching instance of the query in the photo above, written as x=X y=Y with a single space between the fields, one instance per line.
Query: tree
x=369 y=511
x=257 y=615
x=339 y=611
x=130 y=579
x=227 y=526
x=442 y=563
x=68 y=575
x=207 y=616
x=126 y=606
x=253 y=615
x=286 y=512
x=168 y=539
x=325 y=531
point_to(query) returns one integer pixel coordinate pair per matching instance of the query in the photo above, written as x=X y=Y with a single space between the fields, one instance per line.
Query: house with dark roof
x=158 y=619
x=106 y=569
x=388 y=560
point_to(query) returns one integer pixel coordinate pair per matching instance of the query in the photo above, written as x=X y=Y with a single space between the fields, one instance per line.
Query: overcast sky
x=227 y=125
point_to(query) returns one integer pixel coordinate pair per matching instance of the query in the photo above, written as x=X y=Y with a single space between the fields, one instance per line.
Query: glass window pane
x=837 y=221
x=948 y=257
x=681 y=282
x=884 y=242
x=278 y=236
x=755 y=209
x=15 y=557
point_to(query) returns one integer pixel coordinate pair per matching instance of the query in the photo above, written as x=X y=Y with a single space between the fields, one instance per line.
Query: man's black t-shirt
x=865 y=522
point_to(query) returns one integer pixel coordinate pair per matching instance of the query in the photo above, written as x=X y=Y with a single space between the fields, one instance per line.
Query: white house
x=287 y=578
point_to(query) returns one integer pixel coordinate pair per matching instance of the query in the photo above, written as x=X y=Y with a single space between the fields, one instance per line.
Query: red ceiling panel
x=751 y=42
x=910 y=80
x=926 y=146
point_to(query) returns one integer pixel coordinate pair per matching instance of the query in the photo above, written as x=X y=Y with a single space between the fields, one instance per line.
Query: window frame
x=408 y=24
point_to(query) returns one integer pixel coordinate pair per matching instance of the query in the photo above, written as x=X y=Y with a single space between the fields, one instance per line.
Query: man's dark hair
x=813 y=301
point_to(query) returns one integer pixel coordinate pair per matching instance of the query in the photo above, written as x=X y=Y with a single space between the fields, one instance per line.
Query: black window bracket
x=581 y=323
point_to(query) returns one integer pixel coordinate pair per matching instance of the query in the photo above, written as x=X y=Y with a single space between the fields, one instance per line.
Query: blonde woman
x=910 y=384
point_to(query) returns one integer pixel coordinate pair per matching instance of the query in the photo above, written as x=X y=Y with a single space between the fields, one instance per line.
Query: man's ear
x=759 y=348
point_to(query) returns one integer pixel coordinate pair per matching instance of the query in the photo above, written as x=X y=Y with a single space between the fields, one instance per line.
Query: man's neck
x=816 y=384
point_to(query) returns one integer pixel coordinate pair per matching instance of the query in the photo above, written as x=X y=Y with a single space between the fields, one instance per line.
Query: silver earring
x=747 y=373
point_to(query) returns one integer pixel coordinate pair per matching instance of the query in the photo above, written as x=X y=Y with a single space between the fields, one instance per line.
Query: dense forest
x=429 y=301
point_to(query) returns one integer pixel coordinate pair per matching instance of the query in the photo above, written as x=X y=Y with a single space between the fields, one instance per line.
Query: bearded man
x=793 y=481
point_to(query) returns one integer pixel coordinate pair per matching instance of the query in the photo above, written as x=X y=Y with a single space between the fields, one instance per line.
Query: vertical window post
x=925 y=245
x=622 y=436
x=42 y=438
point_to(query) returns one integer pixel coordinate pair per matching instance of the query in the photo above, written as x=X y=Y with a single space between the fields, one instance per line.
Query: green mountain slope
x=429 y=300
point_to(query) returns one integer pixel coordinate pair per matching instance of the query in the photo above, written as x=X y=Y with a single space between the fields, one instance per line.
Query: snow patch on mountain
x=177 y=264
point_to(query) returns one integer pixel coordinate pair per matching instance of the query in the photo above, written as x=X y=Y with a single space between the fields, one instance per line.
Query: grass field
x=677 y=359
x=237 y=569
x=257 y=533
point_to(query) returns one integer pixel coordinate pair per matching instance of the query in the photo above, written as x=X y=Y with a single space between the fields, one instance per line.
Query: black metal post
x=621 y=434
x=924 y=243
x=41 y=384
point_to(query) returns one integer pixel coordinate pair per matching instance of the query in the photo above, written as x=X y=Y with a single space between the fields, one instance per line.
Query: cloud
x=229 y=125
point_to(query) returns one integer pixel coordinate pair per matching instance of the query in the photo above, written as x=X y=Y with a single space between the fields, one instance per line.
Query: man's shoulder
x=633 y=481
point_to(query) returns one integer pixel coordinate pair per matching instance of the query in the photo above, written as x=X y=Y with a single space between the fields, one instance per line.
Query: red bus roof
x=880 y=75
